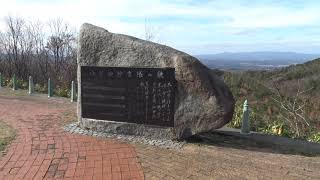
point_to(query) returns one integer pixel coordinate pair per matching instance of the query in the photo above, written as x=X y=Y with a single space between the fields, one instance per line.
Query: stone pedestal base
x=155 y=132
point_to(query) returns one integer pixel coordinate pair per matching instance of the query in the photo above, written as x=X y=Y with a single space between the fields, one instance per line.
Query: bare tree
x=27 y=49
x=148 y=30
x=2 y=53
x=60 y=43
x=152 y=33
x=41 y=63
x=293 y=108
x=12 y=43
x=61 y=46
x=19 y=44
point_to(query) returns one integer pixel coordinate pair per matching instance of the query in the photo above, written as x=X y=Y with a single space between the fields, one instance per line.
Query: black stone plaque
x=135 y=95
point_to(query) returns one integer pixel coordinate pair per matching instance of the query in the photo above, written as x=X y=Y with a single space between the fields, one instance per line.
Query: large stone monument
x=202 y=101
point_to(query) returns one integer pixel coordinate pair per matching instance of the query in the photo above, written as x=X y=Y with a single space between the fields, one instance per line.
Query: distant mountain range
x=259 y=56
x=254 y=60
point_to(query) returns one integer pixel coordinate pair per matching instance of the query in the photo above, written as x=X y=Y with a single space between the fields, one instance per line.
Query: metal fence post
x=49 y=88
x=30 y=85
x=72 y=91
x=245 y=128
x=14 y=82
x=0 y=80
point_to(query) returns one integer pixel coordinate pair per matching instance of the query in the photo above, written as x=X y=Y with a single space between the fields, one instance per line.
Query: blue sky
x=194 y=26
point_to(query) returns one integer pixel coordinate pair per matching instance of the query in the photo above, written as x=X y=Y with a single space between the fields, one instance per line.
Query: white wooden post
x=30 y=85
x=49 y=88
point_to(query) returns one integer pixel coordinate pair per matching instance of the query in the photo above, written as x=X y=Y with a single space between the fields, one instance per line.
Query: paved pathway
x=42 y=150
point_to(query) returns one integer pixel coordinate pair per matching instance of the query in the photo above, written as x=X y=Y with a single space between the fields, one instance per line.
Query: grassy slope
x=256 y=85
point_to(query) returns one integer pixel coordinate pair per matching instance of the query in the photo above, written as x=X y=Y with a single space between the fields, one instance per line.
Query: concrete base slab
x=155 y=132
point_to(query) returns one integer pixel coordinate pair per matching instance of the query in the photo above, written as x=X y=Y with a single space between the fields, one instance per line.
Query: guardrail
x=31 y=88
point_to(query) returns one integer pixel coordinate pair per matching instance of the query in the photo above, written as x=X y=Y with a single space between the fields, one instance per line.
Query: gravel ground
x=164 y=143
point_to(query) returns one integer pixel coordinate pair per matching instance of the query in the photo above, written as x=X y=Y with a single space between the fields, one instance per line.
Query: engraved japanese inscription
x=135 y=95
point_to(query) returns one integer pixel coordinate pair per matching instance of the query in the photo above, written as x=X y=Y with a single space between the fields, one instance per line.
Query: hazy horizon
x=234 y=52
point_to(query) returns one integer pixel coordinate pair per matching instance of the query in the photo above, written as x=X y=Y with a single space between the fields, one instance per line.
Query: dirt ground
x=216 y=162
x=225 y=158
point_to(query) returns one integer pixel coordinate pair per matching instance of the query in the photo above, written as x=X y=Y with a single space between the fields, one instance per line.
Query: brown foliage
x=28 y=49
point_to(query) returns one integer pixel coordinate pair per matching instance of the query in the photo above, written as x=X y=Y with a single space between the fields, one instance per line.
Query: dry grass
x=7 y=133
x=5 y=91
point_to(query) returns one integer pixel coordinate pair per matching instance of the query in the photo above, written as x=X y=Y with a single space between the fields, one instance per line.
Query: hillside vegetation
x=41 y=50
x=284 y=102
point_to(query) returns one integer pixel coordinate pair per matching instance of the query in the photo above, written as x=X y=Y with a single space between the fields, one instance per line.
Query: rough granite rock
x=203 y=102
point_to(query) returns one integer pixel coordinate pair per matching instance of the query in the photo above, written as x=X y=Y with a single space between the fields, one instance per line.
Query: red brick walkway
x=42 y=150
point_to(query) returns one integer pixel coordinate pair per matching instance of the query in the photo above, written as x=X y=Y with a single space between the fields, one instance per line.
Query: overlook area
x=42 y=149
x=157 y=90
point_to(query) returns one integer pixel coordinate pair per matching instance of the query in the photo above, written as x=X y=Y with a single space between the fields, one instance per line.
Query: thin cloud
x=192 y=22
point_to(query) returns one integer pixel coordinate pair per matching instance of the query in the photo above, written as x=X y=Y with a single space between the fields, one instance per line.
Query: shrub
x=62 y=91
x=41 y=89
x=277 y=127
x=22 y=84
x=314 y=137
